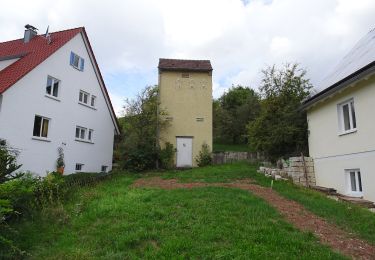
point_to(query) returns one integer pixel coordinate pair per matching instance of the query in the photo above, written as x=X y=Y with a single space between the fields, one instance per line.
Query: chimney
x=30 y=32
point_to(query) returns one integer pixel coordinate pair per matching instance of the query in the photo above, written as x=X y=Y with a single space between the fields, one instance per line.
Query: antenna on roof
x=48 y=36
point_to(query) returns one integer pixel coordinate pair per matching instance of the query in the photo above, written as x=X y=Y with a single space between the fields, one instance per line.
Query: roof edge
x=116 y=123
x=355 y=76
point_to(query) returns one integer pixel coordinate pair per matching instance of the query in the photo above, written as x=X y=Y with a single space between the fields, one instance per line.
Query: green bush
x=166 y=156
x=20 y=194
x=140 y=160
x=204 y=157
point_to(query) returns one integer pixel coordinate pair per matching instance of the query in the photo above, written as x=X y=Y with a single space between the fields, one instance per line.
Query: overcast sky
x=239 y=37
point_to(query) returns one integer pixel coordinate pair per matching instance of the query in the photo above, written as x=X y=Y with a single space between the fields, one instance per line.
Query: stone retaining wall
x=229 y=157
x=299 y=169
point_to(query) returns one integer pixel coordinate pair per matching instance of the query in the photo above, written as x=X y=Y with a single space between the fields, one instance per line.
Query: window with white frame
x=354 y=182
x=83 y=97
x=347 y=116
x=77 y=61
x=81 y=133
x=86 y=99
x=90 y=135
x=79 y=166
x=93 y=100
x=52 y=88
x=84 y=134
x=40 y=126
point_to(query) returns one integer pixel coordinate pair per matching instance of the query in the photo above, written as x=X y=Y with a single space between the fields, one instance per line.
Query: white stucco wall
x=27 y=98
x=334 y=153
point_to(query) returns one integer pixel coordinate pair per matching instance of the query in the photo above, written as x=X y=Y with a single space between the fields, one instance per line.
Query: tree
x=232 y=111
x=137 y=148
x=8 y=163
x=281 y=128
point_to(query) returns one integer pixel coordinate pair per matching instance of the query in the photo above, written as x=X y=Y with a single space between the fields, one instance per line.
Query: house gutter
x=340 y=85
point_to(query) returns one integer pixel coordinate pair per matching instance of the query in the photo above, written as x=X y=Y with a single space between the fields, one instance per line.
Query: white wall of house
x=27 y=98
x=333 y=151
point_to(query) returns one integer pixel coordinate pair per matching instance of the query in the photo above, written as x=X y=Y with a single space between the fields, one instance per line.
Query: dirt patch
x=292 y=211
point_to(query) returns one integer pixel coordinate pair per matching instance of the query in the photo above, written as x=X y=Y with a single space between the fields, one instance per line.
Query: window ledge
x=76 y=68
x=84 y=141
x=52 y=97
x=41 y=139
x=355 y=194
x=348 y=132
x=83 y=104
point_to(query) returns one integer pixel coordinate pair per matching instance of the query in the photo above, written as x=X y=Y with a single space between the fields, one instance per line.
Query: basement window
x=104 y=168
x=52 y=88
x=79 y=167
x=354 y=182
x=347 y=117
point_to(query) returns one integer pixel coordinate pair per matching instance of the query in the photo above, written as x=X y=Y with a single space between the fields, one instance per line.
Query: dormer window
x=76 y=61
x=52 y=88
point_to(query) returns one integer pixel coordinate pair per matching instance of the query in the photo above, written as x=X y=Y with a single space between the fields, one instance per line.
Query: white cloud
x=239 y=37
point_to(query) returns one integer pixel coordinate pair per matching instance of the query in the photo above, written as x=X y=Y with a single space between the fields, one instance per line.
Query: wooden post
x=305 y=170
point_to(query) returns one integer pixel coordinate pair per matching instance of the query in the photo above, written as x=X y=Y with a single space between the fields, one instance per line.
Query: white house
x=341 y=124
x=52 y=95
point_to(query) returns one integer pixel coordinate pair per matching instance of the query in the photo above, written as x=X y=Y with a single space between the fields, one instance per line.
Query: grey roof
x=358 y=63
x=362 y=54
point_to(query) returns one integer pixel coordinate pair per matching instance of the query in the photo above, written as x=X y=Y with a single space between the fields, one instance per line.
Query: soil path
x=292 y=211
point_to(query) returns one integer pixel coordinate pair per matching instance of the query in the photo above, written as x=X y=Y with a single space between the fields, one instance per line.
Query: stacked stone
x=296 y=171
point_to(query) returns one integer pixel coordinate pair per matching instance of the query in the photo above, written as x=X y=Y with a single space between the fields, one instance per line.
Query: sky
x=240 y=37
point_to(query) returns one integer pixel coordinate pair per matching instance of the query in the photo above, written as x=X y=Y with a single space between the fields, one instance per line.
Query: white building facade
x=341 y=131
x=61 y=102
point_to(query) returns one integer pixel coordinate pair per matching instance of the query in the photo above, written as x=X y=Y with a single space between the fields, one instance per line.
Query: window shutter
x=71 y=58
x=82 y=64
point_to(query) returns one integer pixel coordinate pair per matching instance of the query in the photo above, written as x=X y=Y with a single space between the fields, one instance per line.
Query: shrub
x=204 y=157
x=166 y=156
x=20 y=194
x=140 y=160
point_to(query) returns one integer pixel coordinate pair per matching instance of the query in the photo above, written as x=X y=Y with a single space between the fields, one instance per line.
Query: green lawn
x=113 y=220
x=348 y=216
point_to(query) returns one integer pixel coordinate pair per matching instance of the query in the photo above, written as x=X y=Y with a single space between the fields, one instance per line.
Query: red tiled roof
x=34 y=52
x=188 y=65
x=31 y=54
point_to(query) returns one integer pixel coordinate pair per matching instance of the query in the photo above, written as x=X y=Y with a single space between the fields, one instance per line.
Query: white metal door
x=184 y=152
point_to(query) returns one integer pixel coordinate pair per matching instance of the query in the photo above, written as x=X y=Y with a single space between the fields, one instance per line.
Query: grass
x=231 y=148
x=348 y=216
x=114 y=221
